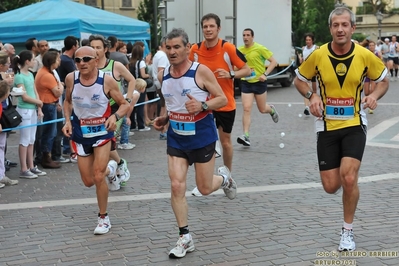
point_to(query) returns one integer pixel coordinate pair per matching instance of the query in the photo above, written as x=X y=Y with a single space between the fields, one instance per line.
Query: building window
x=126 y=3
x=91 y=2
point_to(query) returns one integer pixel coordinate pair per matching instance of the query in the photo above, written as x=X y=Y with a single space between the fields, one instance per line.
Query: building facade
x=368 y=25
x=126 y=8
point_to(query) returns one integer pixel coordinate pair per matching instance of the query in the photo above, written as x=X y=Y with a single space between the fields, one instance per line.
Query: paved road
x=281 y=215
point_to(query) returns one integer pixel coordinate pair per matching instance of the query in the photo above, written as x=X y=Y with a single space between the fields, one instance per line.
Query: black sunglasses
x=84 y=59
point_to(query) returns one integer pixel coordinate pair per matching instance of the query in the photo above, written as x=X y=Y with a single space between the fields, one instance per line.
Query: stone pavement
x=281 y=215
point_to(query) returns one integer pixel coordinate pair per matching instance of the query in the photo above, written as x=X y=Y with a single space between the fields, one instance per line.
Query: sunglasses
x=84 y=59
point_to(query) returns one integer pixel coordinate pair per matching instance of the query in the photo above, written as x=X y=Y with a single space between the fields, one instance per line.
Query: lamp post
x=379 y=17
x=161 y=9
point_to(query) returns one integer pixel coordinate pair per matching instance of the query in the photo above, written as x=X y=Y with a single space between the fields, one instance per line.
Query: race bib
x=183 y=128
x=182 y=124
x=93 y=127
x=340 y=108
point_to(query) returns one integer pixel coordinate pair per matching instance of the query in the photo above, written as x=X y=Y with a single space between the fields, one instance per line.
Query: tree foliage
x=311 y=16
x=146 y=12
x=8 y=5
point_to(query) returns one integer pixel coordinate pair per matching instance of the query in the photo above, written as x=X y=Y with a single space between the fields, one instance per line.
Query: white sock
x=348 y=226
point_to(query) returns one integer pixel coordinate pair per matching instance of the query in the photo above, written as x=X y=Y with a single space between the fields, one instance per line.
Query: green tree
x=311 y=16
x=298 y=26
x=146 y=12
x=7 y=5
x=318 y=13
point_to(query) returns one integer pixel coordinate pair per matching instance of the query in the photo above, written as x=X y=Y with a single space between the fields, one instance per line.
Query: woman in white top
x=306 y=51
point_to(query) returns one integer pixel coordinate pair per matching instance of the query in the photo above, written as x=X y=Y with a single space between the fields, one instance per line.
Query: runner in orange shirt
x=227 y=63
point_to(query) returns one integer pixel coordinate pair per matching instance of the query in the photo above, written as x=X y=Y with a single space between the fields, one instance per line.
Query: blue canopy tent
x=53 y=20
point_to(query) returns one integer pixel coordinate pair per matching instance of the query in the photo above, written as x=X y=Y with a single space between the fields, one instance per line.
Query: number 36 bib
x=340 y=108
x=93 y=127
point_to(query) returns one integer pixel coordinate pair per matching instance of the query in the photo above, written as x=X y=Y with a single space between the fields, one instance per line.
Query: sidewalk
x=281 y=215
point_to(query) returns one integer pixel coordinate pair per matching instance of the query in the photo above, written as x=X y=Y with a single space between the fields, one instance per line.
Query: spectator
x=31 y=44
x=114 y=54
x=49 y=90
x=27 y=105
x=137 y=67
x=4 y=92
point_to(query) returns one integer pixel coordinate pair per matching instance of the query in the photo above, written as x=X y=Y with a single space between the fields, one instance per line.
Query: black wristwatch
x=232 y=74
x=128 y=100
x=204 y=106
x=117 y=117
x=308 y=95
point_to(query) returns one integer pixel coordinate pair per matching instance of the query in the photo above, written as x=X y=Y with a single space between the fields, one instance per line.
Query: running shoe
x=306 y=111
x=196 y=192
x=244 y=140
x=123 y=172
x=347 y=242
x=126 y=146
x=184 y=244
x=163 y=136
x=103 y=226
x=230 y=186
x=113 y=179
x=145 y=129
x=275 y=114
x=73 y=158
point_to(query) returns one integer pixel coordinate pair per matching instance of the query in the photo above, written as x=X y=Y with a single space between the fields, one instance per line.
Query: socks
x=246 y=134
x=183 y=230
x=348 y=226
x=102 y=215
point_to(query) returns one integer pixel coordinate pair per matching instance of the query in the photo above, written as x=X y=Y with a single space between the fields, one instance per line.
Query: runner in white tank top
x=306 y=51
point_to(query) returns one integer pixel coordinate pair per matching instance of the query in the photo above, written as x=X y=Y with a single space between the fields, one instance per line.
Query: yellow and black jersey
x=340 y=80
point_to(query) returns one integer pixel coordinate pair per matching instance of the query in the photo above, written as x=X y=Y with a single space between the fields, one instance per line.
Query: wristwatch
x=204 y=106
x=308 y=95
x=232 y=74
x=117 y=117
x=128 y=100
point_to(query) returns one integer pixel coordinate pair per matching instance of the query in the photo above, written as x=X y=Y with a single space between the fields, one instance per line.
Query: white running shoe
x=244 y=140
x=196 y=192
x=184 y=244
x=103 y=226
x=112 y=178
x=230 y=188
x=347 y=242
x=126 y=146
x=123 y=172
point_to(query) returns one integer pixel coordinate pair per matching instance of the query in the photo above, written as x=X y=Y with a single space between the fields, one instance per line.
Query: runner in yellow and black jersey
x=341 y=67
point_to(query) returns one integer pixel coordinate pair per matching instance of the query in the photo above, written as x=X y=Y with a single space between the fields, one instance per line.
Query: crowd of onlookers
x=40 y=72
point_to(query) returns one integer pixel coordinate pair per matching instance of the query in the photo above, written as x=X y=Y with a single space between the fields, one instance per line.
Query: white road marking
x=241 y=190
x=380 y=128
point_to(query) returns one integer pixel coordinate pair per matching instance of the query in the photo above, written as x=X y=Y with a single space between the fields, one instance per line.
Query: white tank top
x=90 y=101
x=175 y=90
x=307 y=51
